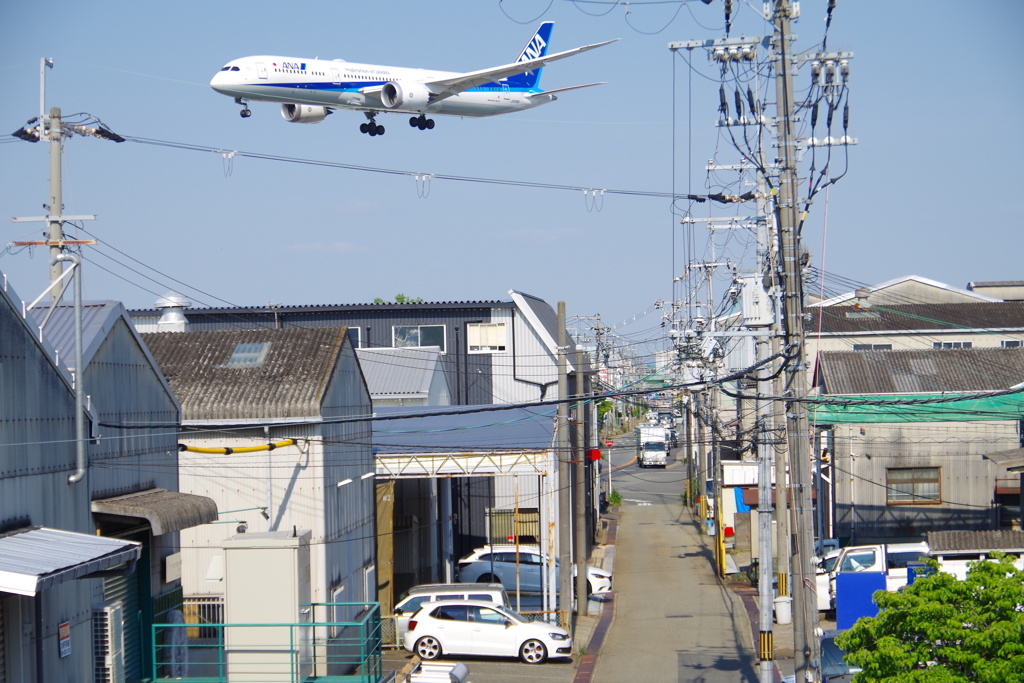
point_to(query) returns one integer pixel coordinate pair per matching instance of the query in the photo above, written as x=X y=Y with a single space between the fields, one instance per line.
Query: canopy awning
x=36 y=558
x=166 y=511
x=1012 y=460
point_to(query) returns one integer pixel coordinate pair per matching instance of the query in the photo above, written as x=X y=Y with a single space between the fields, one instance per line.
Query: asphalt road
x=674 y=621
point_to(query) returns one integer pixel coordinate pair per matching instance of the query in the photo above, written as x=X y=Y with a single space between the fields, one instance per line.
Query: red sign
x=64 y=638
x=609 y=444
x=595 y=453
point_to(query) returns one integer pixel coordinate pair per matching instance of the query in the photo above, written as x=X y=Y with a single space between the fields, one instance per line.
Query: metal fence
x=203 y=610
x=319 y=649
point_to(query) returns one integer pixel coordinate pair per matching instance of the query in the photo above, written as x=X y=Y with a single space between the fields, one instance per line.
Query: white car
x=475 y=627
x=498 y=563
x=824 y=574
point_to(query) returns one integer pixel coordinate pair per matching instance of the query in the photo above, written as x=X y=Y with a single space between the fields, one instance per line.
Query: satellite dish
x=176 y=643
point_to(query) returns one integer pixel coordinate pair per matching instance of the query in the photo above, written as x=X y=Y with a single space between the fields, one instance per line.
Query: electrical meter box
x=267 y=606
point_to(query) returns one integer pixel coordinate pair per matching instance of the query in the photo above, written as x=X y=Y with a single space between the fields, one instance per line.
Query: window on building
x=353 y=335
x=486 y=337
x=912 y=486
x=1010 y=343
x=418 y=335
x=248 y=355
x=952 y=345
x=872 y=347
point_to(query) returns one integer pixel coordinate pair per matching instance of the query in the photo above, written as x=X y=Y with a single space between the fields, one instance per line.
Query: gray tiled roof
x=974 y=541
x=919 y=371
x=402 y=371
x=930 y=317
x=290 y=383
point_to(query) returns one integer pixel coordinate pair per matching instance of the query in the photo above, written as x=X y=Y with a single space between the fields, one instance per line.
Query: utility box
x=757 y=304
x=266 y=583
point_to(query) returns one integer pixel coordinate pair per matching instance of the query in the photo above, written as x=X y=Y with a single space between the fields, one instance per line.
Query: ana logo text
x=293 y=65
x=534 y=49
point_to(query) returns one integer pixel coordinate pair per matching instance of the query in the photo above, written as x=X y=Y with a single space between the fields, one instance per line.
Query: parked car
x=417 y=596
x=498 y=563
x=475 y=627
x=834 y=668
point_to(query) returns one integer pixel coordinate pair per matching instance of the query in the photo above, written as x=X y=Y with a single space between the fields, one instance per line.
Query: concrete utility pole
x=56 y=207
x=805 y=615
x=564 y=475
x=580 y=460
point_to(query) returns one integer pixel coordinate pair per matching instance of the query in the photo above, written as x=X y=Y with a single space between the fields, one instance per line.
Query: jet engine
x=304 y=113
x=396 y=95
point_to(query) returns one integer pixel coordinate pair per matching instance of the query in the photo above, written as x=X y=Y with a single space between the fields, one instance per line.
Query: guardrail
x=320 y=649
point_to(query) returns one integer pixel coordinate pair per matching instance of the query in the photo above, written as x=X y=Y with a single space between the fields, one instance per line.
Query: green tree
x=944 y=630
x=399 y=299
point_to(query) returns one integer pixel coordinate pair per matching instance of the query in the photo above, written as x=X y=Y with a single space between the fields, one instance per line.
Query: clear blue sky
x=933 y=188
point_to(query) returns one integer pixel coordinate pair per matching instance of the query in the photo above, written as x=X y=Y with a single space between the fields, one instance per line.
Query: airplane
x=311 y=89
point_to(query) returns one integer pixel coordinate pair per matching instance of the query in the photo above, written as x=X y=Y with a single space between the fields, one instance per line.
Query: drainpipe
x=80 y=441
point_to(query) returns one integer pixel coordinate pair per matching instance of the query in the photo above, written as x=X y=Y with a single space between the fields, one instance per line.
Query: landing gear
x=421 y=122
x=245 y=113
x=371 y=127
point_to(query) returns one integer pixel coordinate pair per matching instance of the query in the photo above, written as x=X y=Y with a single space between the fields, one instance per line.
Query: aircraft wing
x=558 y=90
x=447 y=87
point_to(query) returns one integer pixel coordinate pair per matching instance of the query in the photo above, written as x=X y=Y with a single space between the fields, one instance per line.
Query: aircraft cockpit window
x=235 y=68
x=227 y=68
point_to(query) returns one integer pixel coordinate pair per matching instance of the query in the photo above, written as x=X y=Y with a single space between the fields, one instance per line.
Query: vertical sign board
x=854 y=591
x=64 y=638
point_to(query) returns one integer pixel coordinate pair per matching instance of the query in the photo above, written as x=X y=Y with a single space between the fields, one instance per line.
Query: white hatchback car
x=498 y=563
x=475 y=627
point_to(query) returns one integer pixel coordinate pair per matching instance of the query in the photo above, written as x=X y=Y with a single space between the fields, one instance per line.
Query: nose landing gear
x=421 y=122
x=245 y=113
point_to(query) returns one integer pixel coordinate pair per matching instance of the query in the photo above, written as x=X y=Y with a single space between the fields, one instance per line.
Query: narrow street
x=674 y=621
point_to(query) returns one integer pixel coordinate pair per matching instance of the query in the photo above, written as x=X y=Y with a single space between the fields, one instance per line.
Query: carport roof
x=36 y=558
x=166 y=511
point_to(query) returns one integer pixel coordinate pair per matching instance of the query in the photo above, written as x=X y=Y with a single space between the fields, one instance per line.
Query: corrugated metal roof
x=290 y=383
x=974 y=541
x=166 y=511
x=36 y=558
x=964 y=317
x=402 y=371
x=913 y=371
x=1012 y=460
x=327 y=308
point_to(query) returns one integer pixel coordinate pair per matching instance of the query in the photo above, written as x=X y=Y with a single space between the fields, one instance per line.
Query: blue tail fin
x=536 y=47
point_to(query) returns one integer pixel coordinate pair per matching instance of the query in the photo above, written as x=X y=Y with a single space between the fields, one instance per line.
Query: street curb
x=749 y=597
x=588 y=662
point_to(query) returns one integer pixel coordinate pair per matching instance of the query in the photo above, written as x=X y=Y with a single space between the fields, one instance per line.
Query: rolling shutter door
x=125 y=590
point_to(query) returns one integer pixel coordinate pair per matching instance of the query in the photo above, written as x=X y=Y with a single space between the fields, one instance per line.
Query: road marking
x=641 y=503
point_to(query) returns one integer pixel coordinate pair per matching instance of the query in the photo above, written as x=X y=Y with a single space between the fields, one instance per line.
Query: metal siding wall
x=350 y=509
x=505 y=496
x=532 y=362
x=124 y=388
x=239 y=481
x=967 y=480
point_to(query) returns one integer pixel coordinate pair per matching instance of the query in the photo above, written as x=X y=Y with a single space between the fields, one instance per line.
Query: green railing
x=340 y=642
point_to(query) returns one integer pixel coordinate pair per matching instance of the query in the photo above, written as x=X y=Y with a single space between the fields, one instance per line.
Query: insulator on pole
x=724 y=104
x=846 y=116
x=739 y=104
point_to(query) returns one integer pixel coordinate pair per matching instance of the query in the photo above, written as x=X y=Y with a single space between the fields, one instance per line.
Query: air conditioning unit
x=108 y=643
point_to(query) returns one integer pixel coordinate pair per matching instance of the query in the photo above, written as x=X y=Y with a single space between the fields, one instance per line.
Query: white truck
x=651 y=446
x=954 y=550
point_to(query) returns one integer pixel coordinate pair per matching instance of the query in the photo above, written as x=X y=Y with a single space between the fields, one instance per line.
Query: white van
x=417 y=596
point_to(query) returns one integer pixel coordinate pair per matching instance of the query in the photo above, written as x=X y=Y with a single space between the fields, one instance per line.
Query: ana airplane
x=309 y=90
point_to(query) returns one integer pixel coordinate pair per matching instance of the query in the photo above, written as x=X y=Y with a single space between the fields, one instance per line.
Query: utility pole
x=805 y=621
x=564 y=475
x=580 y=461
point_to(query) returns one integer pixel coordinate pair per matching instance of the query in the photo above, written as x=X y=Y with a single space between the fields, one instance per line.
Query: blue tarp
x=740 y=505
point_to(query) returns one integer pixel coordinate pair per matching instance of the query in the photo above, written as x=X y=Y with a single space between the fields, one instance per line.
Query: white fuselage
x=347 y=85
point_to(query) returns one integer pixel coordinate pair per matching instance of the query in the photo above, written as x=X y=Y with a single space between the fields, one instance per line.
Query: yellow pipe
x=244 y=449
